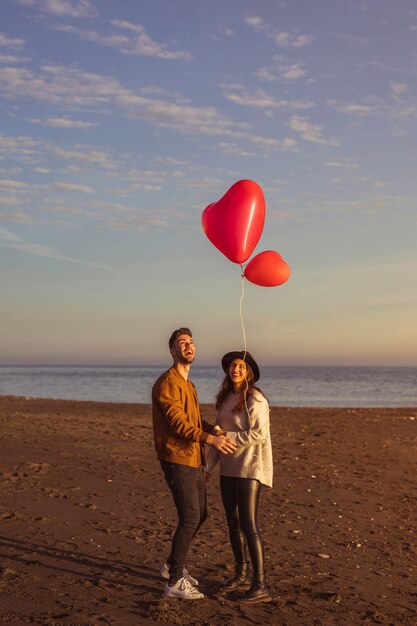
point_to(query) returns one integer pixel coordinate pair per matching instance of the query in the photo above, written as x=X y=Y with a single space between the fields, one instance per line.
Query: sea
x=285 y=386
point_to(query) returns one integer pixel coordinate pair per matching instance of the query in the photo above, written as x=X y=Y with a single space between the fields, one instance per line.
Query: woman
x=243 y=414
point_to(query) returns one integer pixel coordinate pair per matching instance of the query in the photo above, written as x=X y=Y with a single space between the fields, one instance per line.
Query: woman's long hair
x=248 y=390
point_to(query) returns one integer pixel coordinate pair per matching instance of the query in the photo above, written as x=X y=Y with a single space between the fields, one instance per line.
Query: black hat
x=244 y=356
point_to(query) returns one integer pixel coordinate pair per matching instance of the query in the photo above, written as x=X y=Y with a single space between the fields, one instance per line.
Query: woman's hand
x=222 y=443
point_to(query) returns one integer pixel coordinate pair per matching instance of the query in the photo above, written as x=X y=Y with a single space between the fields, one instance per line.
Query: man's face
x=183 y=350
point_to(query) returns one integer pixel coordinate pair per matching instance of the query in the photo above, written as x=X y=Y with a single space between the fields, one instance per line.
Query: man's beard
x=186 y=360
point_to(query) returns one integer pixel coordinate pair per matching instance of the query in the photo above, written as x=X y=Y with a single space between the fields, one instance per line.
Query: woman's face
x=237 y=372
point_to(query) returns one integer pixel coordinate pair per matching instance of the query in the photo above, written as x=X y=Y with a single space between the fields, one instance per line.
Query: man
x=180 y=434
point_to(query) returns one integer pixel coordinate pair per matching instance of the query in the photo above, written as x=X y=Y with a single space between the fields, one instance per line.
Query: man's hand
x=222 y=443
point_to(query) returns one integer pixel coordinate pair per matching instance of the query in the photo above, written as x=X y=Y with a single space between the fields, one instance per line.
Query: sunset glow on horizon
x=118 y=128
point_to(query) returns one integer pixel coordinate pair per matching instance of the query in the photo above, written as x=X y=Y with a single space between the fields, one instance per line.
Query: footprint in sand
x=7 y=515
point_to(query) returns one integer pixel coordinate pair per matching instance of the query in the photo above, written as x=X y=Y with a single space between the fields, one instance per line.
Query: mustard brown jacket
x=179 y=430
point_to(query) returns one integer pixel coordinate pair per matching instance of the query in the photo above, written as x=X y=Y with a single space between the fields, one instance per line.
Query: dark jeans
x=240 y=498
x=188 y=489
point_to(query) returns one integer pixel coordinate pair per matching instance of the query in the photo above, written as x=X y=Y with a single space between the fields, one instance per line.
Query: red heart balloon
x=267 y=269
x=234 y=223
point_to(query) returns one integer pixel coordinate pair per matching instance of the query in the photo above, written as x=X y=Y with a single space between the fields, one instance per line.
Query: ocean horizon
x=314 y=385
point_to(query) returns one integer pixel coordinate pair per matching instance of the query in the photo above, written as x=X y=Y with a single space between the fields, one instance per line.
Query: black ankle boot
x=241 y=579
x=258 y=592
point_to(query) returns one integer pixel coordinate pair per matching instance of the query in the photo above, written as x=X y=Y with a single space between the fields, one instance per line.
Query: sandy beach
x=86 y=520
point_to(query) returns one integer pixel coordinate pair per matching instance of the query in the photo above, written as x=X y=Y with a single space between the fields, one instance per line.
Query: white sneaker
x=164 y=571
x=183 y=589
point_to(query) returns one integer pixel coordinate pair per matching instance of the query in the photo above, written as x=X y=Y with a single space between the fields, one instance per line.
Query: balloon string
x=244 y=338
x=241 y=314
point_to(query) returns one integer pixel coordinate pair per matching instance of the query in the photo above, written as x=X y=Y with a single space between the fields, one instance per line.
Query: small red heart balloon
x=234 y=223
x=267 y=269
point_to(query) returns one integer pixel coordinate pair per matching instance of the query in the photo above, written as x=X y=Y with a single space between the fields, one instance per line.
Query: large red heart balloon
x=267 y=269
x=234 y=223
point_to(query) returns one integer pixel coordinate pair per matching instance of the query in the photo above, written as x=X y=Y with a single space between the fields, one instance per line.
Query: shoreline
x=87 y=519
x=208 y=405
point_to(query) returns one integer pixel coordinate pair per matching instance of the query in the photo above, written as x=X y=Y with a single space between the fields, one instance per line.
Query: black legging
x=240 y=498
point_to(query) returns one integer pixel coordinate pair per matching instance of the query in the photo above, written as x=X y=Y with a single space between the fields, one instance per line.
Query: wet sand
x=86 y=520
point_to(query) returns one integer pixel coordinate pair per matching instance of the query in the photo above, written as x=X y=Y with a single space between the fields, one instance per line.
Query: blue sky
x=121 y=121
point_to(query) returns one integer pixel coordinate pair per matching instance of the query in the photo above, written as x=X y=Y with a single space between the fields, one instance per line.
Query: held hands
x=222 y=443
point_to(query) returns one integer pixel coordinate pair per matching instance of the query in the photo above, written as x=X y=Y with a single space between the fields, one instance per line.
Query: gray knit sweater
x=253 y=457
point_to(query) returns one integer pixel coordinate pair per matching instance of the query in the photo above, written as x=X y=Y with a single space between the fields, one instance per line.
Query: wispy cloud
x=152 y=176
x=20 y=146
x=257 y=23
x=267 y=73
x=288 y=40
x=14 y=242
x=11 y=42
x=239 y=94
x=72 y=187
x=59 y=86
x=265 y=142
x=73 y=88
x=62 y=8
x=85 y=154
x=282 y=39
x=285 y=70
x=142 y=43
x=376 y=107
x=133 y=41
x=310 y=132
x=9 y=201
x=399 y=89
x=63 y=122
x=354 y=108
x=113 y=207
x=8 y=59
x=18 y=217
x=343 y=163
x=12 y=184
x=139 y=223
x=234 y=149
x=141 y=220
x=184 y=118
x=294 y=71
x=171 y=160
x=222 y=33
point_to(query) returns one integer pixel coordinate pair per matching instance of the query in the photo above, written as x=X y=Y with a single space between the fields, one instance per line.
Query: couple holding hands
x=188 y=447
